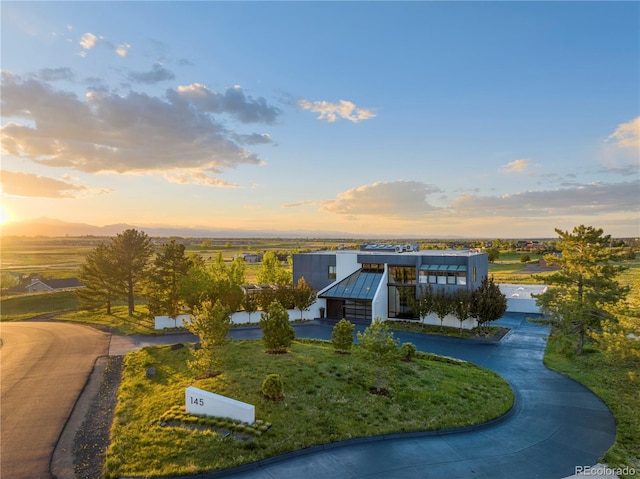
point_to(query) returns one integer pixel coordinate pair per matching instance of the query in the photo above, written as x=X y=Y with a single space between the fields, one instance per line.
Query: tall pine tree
x=170 y=267
x=132 y=250
x=98 y=274
x=585 y=284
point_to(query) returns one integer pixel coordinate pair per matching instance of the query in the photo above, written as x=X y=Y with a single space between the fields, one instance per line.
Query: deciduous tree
x=303 y=296
x=271 y=272
x=422 y=306
x=461 y=305
x=441 y=305
x=249 y=304
x=488 y=303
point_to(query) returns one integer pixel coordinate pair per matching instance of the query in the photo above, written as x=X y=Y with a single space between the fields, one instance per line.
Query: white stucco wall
x=381 y=298
x=521 y=297
x=346 y=264
x=242 y=317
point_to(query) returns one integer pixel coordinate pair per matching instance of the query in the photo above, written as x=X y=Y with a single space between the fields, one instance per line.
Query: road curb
x=61 y=465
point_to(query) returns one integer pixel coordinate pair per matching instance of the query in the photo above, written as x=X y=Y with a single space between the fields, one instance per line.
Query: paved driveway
x=555 y=426
x=44 y=367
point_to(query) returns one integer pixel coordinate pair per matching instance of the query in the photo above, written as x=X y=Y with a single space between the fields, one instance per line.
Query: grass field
x=327 y=399
x=28 y=306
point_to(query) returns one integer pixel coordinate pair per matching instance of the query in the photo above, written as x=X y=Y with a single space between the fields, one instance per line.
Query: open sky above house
x=483 y=119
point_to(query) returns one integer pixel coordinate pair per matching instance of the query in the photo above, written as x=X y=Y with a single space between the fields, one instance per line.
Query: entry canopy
x=359 y=285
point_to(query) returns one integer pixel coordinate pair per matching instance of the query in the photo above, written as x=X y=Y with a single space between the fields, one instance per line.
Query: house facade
x=380 y=280
x=37 y=285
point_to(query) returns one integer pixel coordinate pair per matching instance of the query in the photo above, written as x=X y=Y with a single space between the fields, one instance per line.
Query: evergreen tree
x=99 y=276
x=170 y=267
x=131 y=251
x=277 y=333
x=342 y=336
x=211 y=323
x=378 y=347
x=586 y=283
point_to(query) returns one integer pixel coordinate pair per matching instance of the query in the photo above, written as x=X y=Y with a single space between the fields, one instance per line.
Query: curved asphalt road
x=45 y=365
x=555 y=426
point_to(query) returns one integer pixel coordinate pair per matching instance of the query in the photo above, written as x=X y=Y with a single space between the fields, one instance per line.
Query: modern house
x=379 y=280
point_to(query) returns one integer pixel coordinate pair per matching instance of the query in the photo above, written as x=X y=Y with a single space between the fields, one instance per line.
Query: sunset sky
x=479 y=119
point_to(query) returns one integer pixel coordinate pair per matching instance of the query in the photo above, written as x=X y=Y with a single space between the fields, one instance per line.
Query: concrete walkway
x=555 y=426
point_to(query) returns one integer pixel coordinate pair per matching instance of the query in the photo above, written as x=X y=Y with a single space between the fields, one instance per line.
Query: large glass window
x=402 y=275
x=400 y=300
x=452 y=274
x=373 y=267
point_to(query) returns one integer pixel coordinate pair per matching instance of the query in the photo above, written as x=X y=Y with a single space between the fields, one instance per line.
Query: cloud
x=187 y=177
x=517 y=166
x=253 y=139
x=107 y=132
x=593 y=198
x=122 y=50
x=16 y=183
x=299 y=203
x=626 y=135
x=88 y=41
x=330 y=112
x=157 y=74
x=233 y=102
x=55 y=74
x=392 y=199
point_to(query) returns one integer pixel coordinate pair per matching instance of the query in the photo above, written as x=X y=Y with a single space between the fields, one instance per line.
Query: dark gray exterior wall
x=314 y=268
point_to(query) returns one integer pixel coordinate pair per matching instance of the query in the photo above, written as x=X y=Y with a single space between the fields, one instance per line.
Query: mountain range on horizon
x=50 y=227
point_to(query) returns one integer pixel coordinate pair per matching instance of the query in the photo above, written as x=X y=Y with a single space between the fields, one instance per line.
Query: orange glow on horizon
x=4 y=216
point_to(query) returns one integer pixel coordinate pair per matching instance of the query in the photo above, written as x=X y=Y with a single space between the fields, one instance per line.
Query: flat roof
x=427 y=252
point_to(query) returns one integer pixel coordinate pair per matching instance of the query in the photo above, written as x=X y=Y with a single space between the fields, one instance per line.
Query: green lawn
x=26 y=306
x=118 y=322
x=327 y=399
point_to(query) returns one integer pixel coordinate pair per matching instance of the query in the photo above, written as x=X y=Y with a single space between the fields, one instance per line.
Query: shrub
x=342 y=335
x=273 y=387
x=277 y=333
x=407 y=351
x=525 y=258
x=378 y=347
